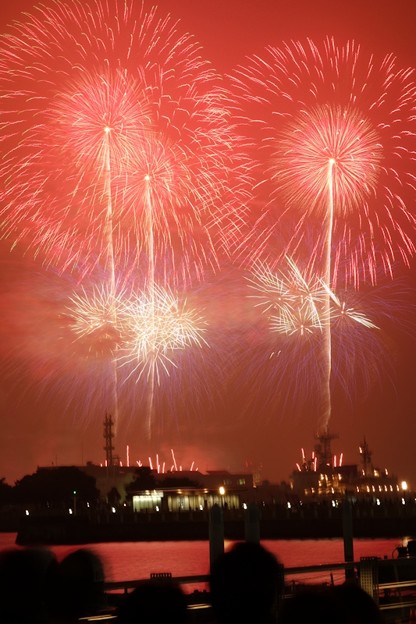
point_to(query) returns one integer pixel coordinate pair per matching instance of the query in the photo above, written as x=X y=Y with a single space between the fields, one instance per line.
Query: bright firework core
x=157 y=326
x=337 y=136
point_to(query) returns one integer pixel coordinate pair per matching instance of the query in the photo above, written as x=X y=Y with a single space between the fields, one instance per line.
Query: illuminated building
x=325 y=475
x=202 y=492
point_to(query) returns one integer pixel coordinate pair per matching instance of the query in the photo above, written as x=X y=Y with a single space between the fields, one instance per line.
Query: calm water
x=136 y=560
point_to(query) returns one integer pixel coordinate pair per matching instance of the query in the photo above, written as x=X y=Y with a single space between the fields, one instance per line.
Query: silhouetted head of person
x=356 y=604
x=312 y=605
x=158 y=600
x=81 y=584
x=246 y=584
x=27 y=584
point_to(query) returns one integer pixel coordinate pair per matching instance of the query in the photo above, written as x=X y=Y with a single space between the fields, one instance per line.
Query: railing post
x=216 y=533
x=369 y=576
x=252 y=523
x=347 y=533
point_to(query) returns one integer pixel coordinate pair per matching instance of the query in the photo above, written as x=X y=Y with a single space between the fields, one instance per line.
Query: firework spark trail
x=336 y=127
x=118 y=153
x=302 y=307
x=59 y=341
x=96 y=312
x=306 y=104
x=109 y=236
x=97 y=316
x=340 y=310
x=139 y=332
x=327 y=399
x=290 y=292
x=152 y=298
x=298 y=304
x=157 y=325
x=160 y=468
x=109 y=216
x=298 y=321
x=73 y=72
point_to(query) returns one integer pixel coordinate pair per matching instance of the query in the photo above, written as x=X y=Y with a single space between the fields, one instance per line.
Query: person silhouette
x=80 y=585
x=356 y=604
x=246 y=584
x=154 y=600
x=27 y=583
x=314 y=605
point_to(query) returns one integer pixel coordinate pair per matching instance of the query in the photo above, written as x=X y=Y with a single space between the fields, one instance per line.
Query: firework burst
x=97 y=99
x=156 y=326
x=94 y=319
x=139 y=334
x=287 y=289
x=295 y=305
x=82 y=346
x=335 y=125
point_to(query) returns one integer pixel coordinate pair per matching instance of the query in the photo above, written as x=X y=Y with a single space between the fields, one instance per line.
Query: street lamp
x=221 y=491
x=75 y=501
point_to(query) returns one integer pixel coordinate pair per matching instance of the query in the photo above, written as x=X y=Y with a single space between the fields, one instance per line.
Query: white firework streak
x=157 y=326
x=299 y=302
x=291 y=294
x=95 y=311
x=340 y=310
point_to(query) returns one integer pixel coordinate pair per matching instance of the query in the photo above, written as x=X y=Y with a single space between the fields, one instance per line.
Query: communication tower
x=108 y=437
x=323 y=448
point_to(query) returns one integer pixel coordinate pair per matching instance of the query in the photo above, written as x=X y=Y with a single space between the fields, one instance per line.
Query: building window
x=148 y=501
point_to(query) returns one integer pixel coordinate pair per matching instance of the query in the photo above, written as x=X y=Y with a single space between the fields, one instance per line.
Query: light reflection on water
x=135 y=560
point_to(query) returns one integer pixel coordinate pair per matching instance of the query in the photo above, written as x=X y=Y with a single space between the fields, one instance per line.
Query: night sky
x=247 y=398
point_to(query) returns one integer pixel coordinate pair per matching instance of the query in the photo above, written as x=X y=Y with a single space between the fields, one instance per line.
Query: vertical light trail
x=150 y=237
x=174 y=459
x=327 y=336
x=109 y=212
x=110 y=261
x=151 y=289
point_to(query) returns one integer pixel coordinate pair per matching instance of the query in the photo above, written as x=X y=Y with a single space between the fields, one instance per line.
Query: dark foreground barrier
x=391 y=582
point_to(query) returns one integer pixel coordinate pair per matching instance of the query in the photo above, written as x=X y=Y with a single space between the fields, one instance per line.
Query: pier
x=313 y=520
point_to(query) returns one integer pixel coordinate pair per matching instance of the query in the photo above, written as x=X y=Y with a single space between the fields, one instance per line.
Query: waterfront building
x=202 y=492
x=323 y=474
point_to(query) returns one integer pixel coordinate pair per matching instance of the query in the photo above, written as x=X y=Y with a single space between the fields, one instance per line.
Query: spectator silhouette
x=345 y=604
x=156 y=600
x=81 y=586
x=356 y=604
x=312 y=605
x=246 y=584
x=27 y=582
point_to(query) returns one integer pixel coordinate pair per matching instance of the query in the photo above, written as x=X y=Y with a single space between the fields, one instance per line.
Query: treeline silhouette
x=47 y=487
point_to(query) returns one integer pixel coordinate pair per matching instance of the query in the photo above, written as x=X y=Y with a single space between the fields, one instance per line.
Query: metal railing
x=394 y=594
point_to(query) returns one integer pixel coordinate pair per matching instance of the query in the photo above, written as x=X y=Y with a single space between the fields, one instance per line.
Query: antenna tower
x=108 y=437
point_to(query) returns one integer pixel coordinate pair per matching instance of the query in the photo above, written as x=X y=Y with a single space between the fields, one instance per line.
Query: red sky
x=225 y=429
